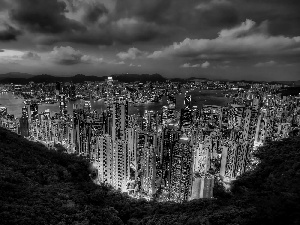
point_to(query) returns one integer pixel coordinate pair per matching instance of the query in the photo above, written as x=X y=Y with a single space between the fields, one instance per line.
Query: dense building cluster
x=169 y=155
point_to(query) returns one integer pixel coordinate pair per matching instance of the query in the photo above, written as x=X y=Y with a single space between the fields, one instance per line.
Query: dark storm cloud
x=3 y=4
x=130 y=30
x=125 y=31
x=134 y=21
x=217 y=13
x=174 y=20
x=197 y=34
x=199 y=13
x=94 y=12
x=9 y=33
x=244 y=41
x=283 y=15
x=48 y=18
x=154 y=10
x=92 y=37
x=203 y=17
x=45 y=16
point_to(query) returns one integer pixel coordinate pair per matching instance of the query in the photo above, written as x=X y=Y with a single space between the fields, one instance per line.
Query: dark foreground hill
x=39 y=186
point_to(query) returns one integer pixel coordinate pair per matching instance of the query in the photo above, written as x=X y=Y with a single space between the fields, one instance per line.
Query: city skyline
x=218 y=39
x=176 y=151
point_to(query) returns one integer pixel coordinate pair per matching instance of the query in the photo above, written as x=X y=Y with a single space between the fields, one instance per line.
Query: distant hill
x=139 y=78
x=45 y=78
x=15 y=75
x=23 y=78
x=197 y=78
x=297 y=83
x=79 y=78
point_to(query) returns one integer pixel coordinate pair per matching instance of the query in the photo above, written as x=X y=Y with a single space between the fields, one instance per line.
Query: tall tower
x=104 y=158
x=171 y=107
x=3 y=111
x=79 y=121
x=34 y=113
x=58 y=88
x=119 y=120
x=62 y=105
x=24 y=123
x=202 y=182
x=181 y=170
x=187 y=101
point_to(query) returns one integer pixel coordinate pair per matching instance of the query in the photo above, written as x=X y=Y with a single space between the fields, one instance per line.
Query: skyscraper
x=62 y=105
x=58 y=89
x=181 y=170
x=171 y=107
x=34 y=113
x=119 y=119
x=79 y=118
x=187 y=101
x=24 y=123
x=3 y=111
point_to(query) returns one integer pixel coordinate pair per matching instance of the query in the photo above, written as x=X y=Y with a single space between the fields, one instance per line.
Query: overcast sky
x=217 y=39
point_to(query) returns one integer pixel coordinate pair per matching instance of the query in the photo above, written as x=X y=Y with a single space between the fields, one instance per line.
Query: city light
x=174 y=153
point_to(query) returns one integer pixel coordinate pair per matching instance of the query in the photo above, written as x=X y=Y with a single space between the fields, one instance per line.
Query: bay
x=199 y=98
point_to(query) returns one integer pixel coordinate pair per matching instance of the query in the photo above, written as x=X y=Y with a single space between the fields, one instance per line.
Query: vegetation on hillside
x=39 y=186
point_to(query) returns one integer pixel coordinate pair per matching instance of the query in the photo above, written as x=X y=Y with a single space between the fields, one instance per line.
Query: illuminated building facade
x=3 y=111
x=34 y=111
x=24 y=123
x=202 y=187
x=181 y=170
x=167 y=155
x=62 y=104
x=119 y=119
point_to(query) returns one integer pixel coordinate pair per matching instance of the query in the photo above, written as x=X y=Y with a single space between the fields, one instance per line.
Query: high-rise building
x=181 y=170
x=34 y=113
x=3 y=111
x=170 y=136
x=261 y=128
x=201 y=159
x=79 y=122
x=171 y=107
x=119 y=119
x=108 y=121
x=132 y=140
x=24 y=123
x=120 y=174
x=235 y=156
x=58 y=88
x=186 y=118
x=44 y=127
x=187 y=101
x=150 y=121
x=87 y=106
x=211 y=116
x=62 y=105
x=236 y=113
x=202 y=187
x=164 y=115
x=104 y=158
x=72 y=93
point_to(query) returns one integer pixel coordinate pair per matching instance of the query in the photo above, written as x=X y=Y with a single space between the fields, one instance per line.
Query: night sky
x=217 y=39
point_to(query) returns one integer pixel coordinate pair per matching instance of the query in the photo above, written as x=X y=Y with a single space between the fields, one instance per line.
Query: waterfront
x=199 y=98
